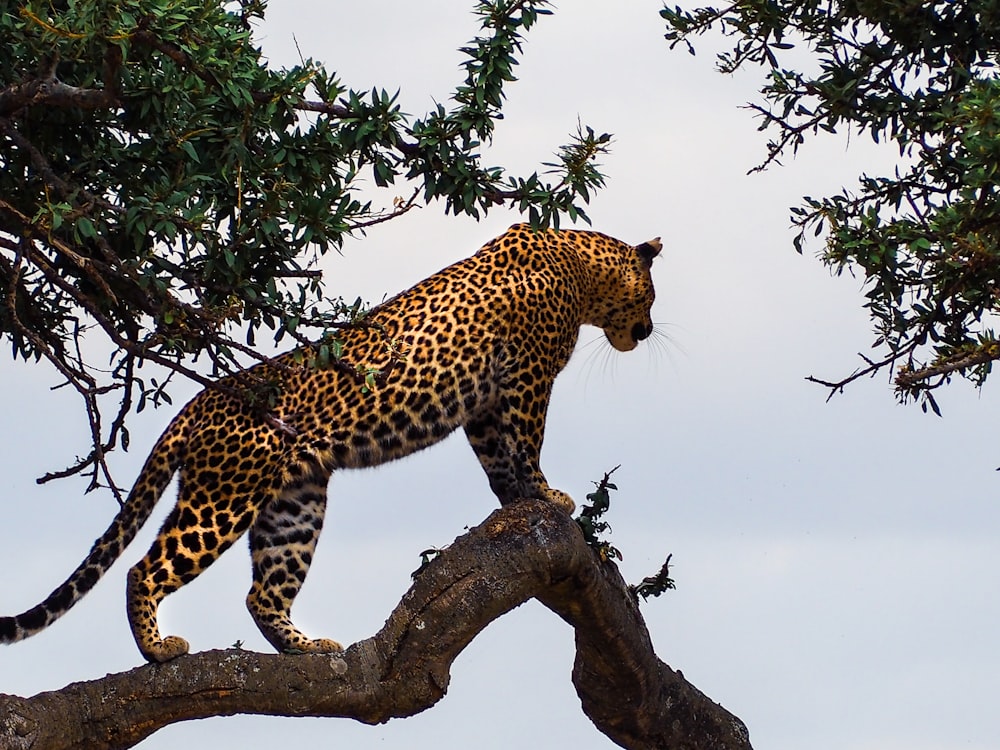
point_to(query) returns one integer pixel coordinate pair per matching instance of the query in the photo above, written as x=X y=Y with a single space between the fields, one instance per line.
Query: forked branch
x=525 y=550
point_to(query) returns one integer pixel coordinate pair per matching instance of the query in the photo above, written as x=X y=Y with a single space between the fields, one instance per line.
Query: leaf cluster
x=165 y=194
x=598 y=503
x=926 y=239
x=655 y=585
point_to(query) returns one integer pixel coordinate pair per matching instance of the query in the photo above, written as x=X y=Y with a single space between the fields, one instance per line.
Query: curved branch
x=524 y=550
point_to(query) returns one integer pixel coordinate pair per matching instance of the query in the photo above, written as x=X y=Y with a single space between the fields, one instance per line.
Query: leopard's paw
x=561 y=499
x=316 y=646
x=164 y=650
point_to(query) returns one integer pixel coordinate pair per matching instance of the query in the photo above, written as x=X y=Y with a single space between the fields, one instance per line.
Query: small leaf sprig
x=596 y=506
x=654 y=585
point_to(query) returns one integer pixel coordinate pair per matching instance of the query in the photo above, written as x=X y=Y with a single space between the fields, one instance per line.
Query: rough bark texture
x=528 y=549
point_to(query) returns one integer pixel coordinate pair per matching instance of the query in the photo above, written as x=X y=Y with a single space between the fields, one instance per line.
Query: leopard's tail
x=156 y=473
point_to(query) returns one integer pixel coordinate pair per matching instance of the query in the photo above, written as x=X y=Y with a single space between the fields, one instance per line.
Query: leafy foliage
x=655 y=585
x=165 y=194
x=927 y=238
x=598 y=503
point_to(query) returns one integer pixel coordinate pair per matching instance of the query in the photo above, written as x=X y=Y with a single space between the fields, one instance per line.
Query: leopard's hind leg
x=209 y=516
x=282 y=541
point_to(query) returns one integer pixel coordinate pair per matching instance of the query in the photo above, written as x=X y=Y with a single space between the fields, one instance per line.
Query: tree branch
x=54 y=93
x=910 y=378
x=524 y=550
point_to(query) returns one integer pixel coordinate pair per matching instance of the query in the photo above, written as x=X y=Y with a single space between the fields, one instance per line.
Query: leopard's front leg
x=508 y=443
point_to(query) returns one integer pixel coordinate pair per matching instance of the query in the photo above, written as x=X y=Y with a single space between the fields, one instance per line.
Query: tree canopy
x=927 y=238
x=165 y=193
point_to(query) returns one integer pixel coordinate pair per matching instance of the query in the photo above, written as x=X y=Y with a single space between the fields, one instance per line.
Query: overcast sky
x=836 y=563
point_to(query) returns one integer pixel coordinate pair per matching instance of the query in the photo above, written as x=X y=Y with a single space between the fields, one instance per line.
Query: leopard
x=477 y=345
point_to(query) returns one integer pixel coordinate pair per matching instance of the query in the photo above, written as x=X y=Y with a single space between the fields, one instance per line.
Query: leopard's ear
x=649 y=250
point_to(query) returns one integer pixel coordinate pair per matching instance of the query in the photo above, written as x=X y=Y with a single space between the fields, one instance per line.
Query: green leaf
x=86 y=228
x=188 y=148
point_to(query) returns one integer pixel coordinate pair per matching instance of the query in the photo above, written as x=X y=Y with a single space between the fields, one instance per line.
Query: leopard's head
x=624 y=293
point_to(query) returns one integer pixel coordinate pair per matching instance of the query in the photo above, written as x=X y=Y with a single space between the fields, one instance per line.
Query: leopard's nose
x=641 y=331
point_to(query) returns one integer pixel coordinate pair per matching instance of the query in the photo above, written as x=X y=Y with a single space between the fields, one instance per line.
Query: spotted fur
x=477 y=345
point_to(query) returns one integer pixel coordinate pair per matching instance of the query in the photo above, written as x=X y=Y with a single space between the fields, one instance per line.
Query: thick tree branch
x=54 y=93
x=528 y=549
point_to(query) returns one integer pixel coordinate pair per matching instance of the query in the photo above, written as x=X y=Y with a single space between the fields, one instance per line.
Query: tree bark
x=524 y=550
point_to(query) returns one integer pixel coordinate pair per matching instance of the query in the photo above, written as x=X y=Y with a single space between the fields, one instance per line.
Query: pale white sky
x=836 y=562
